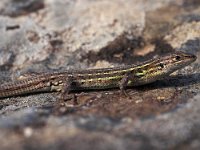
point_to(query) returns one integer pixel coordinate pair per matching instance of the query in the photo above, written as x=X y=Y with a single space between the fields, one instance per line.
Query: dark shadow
x=174 y=81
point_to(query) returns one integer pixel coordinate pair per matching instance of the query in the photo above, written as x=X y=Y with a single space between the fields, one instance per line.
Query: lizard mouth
x=190 y=58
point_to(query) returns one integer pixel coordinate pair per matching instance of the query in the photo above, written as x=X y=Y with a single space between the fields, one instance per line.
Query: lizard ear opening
x=140 y=73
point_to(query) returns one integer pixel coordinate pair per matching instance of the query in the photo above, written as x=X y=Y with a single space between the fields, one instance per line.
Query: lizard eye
x=162 y=65
x=178 y=58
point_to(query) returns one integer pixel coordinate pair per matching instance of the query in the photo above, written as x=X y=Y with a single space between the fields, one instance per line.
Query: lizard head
x=163 y=66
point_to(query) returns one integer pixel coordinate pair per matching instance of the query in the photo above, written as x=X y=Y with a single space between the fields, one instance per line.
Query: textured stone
x=46 y=35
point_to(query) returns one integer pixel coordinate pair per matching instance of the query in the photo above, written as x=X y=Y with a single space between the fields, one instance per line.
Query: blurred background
x=57 y=35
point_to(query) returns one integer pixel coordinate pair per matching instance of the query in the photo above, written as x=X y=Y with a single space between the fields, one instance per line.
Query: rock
x=46 y=35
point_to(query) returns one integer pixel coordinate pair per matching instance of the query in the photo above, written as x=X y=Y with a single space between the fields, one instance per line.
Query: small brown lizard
x=122 y=77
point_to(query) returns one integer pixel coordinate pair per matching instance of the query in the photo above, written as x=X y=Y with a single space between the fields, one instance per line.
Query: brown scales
x=67 y=81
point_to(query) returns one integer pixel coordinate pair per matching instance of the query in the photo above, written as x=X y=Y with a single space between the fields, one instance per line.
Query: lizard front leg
x=123 y=84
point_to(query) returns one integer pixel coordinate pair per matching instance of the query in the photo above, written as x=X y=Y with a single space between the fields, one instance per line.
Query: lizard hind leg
x=61 y=107
x=65 y=96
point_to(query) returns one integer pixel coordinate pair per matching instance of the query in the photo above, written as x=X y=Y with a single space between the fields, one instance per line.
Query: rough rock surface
x=49 y=35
